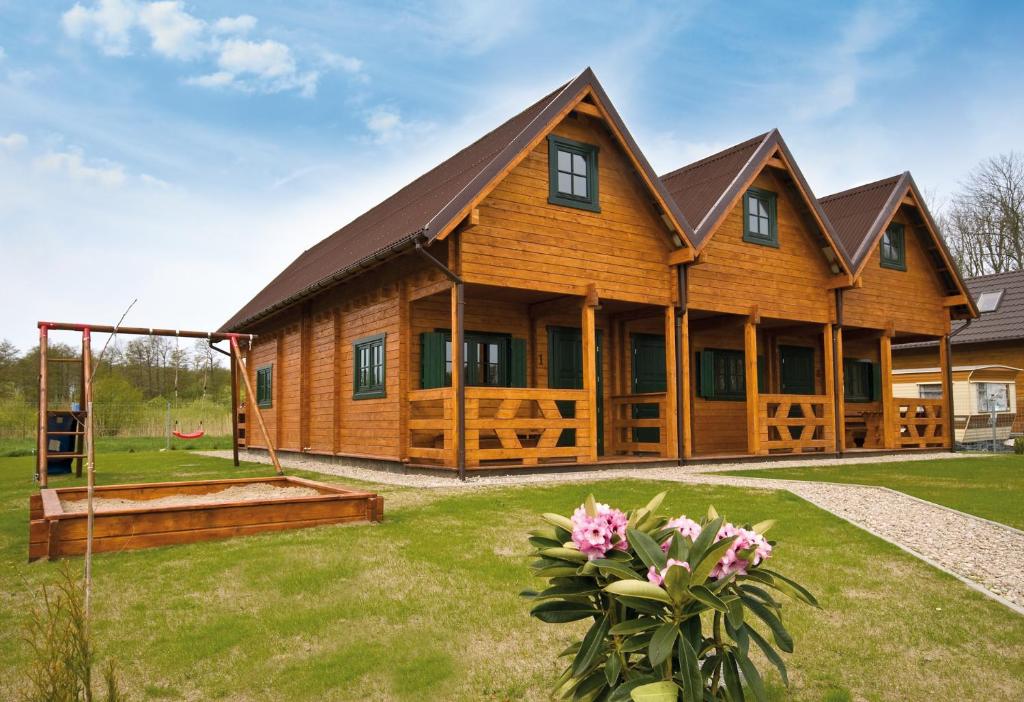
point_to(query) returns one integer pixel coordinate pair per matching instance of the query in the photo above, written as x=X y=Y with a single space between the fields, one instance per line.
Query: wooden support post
x=669 y=423
x=684 y=380
x=253 y=407
x=41 y=439
x=947 y=391
x=753 y=398
x=889 y=426
x=404 y=366
x=234 y=409
x=305 y=377
x=827 y=350
x=90 y=467
x=80 y=439
x=840 y=392
x=589 y=338
x=458 y=419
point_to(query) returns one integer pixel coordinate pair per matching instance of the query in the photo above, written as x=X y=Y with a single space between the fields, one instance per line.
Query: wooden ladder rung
x=56 y=454
x=65 y=433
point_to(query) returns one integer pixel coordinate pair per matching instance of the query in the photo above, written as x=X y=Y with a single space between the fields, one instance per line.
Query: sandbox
x=158 y=514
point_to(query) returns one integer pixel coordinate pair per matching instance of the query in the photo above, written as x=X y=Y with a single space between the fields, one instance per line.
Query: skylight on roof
x=989 y=301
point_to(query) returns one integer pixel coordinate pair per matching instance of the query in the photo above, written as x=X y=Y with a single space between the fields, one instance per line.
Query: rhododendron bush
x=676 y=606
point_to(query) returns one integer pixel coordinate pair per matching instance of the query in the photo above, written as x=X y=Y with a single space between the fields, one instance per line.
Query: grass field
x=990 y=487
x=424 y=606
x=113 y=444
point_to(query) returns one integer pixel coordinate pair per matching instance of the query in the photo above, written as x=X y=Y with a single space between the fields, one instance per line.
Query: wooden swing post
x=252 y=405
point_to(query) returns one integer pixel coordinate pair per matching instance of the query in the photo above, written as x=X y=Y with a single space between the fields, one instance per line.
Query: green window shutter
x=707 y=374
x=876 y=382
x=762 y=373
x=432 y=360
x=517 y=372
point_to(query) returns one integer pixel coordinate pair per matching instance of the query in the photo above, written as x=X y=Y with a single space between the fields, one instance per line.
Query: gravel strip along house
x=544 y=299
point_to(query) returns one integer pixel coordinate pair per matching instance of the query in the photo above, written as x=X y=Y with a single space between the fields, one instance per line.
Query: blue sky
x=182 y=153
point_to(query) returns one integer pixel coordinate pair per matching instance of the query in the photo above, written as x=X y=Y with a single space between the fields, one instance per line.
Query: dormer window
x=989 y=301
x=760 y=225
x=893 y=246
x=573 y=173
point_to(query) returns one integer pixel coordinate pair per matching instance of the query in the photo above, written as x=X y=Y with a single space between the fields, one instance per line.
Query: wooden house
x=985 y=398
x=597 y=311
x=995 y=338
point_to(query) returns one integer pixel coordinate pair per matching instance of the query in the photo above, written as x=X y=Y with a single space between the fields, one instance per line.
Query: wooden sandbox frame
x=54 y=533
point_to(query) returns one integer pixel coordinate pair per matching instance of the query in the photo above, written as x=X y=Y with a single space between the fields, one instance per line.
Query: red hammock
x=191 y=435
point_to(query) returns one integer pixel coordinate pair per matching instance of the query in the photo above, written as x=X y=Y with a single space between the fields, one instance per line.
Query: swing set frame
x=86 y=448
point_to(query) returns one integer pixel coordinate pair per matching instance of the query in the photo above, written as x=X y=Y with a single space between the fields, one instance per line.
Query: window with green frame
x=760 y=222
x=489 y=359
x=893 y=247
x=572 y=169
x=861 y=381
x=265 y=386
x=369 y=366
x=722 y=374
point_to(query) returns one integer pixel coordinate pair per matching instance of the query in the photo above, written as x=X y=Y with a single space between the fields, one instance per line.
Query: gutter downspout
x=680 y=311
x=838 y=392
x=948 y=385
x=458 y=383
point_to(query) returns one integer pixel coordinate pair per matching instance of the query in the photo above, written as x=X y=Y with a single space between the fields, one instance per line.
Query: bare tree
x=984 y=223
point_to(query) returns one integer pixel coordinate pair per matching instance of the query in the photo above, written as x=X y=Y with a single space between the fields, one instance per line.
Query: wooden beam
x=947 y=391
x=755 y=315
x=908 y=200
x=438 y=286
x=827 y=351
x=889 y=427
x=840 y=393
x=752 y=395
x=684 y=350
x=680 y=256
x=776 y=162
x=474 y=217
x=587 y=109
x=404 y=364
x=590 y=373
x=234 y=409
x=839 y=281
x=954 y=300
x=555 y=305
x=670 y=440
x=253 y=407
x=42 y=447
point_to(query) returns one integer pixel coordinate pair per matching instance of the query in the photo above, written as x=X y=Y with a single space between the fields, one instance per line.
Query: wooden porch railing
x=627 y=416
x=430 y=425
x=796 y=424
x=920 y=423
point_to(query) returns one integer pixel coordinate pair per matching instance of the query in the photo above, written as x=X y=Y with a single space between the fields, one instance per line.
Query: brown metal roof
x=854 y=214
x=425 y=207
x=1007 y=320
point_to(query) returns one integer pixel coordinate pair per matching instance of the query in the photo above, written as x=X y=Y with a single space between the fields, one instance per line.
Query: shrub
x=1018 y=445
x=671 y=603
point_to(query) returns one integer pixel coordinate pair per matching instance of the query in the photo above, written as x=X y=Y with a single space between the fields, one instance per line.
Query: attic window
x=893 y=246
x=989 y=301
x=760 y=224
x=572 y=167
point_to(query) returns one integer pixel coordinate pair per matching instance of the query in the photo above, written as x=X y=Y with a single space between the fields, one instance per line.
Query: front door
x=648 y=352
x=796 y=377
x=565 y=370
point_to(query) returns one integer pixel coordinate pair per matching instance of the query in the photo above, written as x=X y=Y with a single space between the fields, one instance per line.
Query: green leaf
x=782 y=638
x=677 y=583
x=762 y=527
x=794 y=589
x=652 y=607
x=662 y=642
x=633 y=626
x=704 y=540
x=770 y=653
x=689 y=673
x=679 y=547
x=637 y=642
x=621 y=693
x=709 y=558
x=751 y=675
x=590 y=688
x=656 y=501
x=540 y=542
x=662 y=691
x=574 y=589
x=647 y=548
x=592 y=645
x=612 y=668
x=705 y=596
x=565 y=554
x=712 y=513
x=735 y=611
x=638 y=588
x=558 y=520
x=731 y=675
x=557 y=612
x=558 y=571
x=616 y=568
x=638 y=517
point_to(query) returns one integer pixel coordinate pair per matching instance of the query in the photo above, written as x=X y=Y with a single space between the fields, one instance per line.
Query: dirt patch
x=235 y=493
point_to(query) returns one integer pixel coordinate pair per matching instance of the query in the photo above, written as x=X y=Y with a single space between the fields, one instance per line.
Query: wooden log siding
x=523 y=241
x=911 y=299
x=788 y=282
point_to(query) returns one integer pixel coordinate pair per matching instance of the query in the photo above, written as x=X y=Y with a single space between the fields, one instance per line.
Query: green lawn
x=130 y=444
x=990 y=487
x=424 y=606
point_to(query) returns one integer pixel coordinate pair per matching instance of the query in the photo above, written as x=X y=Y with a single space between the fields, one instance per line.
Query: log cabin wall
x=784 y=282
x=718 y=426
x=911 y=299
x=524 y=241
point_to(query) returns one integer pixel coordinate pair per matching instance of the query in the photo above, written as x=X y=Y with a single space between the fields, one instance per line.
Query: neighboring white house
x=978 y=391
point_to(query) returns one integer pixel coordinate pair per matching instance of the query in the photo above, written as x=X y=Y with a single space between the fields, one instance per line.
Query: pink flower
x=731 y=563
x=659 y=577
x=686 y=527
x=594 y=536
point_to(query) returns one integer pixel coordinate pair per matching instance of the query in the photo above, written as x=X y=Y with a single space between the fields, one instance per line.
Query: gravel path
x=981 y=553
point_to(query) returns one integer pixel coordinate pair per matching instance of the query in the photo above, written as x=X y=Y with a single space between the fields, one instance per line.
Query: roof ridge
x=987 y=276
x=860 y=188
x=716 y=156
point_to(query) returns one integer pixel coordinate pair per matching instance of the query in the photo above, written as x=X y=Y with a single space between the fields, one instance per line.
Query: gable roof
x=1006 y=322
x=861 y=215
x=707 y=189
x=430 y=206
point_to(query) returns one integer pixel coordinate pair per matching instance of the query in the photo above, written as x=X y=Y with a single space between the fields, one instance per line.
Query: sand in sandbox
x=235 y=493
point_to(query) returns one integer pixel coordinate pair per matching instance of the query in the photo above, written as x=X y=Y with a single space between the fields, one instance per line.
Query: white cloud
x=108 y=25
x=174 y=32
x=220 y=79
x=72 y=164
x=387 y=126
x=341 y=62
x=13 y=141
x=243 y=24
x=267 y=59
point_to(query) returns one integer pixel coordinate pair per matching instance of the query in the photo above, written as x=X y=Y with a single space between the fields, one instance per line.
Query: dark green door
x=648 y=376
x=796 y=377
x=565 y=370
